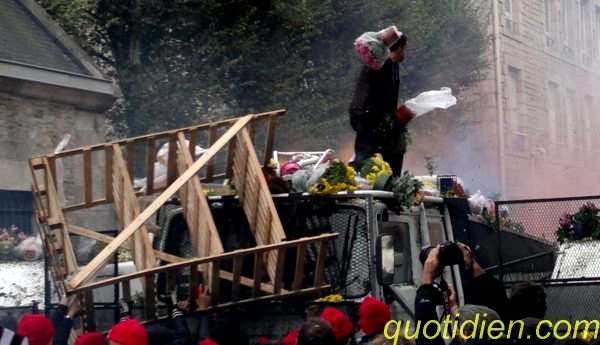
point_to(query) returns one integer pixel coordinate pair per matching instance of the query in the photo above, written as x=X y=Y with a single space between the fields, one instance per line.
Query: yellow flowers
x=338 y=177
x=374 y=168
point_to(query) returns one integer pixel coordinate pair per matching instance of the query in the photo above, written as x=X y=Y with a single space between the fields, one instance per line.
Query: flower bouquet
x=9 y=238
x=407 y=190
x=582 y=224
x=374 y=168
x=336 y=178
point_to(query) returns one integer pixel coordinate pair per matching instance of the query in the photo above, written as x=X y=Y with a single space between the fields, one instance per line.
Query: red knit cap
x=37 y=328
x=292 y=337
x=128 y=332
x=341 y=324
x=208 y=341
x=92 y=338
x=373 y=315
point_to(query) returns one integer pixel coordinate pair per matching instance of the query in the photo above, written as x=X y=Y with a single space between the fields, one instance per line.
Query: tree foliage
x=180 y=62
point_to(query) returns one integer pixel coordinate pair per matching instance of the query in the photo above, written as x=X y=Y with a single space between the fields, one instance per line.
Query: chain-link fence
x=550 y=241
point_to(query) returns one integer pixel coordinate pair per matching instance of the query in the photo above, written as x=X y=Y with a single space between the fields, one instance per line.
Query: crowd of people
x=485 y=297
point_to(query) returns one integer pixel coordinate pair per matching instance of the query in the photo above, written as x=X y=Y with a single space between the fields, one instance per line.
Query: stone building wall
x=31 y=126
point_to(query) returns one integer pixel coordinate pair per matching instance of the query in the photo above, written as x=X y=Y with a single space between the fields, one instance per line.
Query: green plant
x=501 y=224
x=406 y=189
x=580 y=225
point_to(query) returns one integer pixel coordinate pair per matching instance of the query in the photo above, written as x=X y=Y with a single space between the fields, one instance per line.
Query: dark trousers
x=369 y=141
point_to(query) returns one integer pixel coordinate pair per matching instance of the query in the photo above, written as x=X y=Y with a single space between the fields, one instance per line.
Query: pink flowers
x=9 y=234
x=565 y=221
x=366 y=54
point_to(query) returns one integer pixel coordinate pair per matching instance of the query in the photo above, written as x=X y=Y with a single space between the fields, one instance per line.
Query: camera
x=450 y=254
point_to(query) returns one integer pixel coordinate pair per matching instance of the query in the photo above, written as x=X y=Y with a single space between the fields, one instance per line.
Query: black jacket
x=376 y=94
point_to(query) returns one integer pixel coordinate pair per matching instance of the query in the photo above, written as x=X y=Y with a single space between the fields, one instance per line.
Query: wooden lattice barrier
x=108 y=178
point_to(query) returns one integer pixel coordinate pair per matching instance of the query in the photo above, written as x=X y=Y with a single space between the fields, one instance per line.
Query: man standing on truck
x=375 y=101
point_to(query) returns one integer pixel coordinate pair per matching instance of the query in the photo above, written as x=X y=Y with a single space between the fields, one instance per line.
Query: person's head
x=315 y=331
x=398 y=49
x=37 y=328
x=527 y=299
x=471 y=317
x=128 y=332
x=92 y=338
x=373 y=315
x=340 y=323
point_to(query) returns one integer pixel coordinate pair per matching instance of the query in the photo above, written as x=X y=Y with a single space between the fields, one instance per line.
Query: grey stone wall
x=31 y=126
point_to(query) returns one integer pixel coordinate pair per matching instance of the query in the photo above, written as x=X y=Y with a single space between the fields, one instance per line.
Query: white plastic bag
x=430 y=100
x=30 y=249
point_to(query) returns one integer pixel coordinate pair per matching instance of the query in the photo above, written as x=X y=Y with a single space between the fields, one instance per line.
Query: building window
x=550 y=29
x=556 y=129
x=16 y=208
x=596 y=34
x=567 y=23
x=515 y=101
x=585 y=13
x=592 y=135
x=511 y=13
x=575 y=122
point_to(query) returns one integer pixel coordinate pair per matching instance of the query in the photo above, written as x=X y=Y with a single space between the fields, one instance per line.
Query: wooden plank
x=165 y=134
x=209 y=259
x=51 y=164
x=87 y=176
x=150 y=159
x=258 y=274
x=237 y=274
x=278 y=278
x=108 y=172
x=149 y=295
x=130 y=146
x=229 y=164
x=210 y=166
x=200 y=211
x=299 y=272
x=270 y=139
x=320 y=267
x=193 y=138
x=278 y=296
x=172 y=158
x=215 y=280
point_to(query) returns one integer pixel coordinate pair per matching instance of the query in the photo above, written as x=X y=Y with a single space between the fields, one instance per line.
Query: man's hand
x=467 y=256
x=430 y=267
x=470 y=262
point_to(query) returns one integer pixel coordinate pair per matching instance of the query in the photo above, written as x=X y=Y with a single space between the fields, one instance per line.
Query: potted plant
x=583 y=224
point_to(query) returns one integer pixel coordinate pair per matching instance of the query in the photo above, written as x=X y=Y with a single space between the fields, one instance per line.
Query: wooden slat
x=108 y=169
x=237 y=274
x=209 y=259
x=165 y=134
x=87 y=176
x=130 y=147
x=149 y=295
x=193 y=138
x=150 y=159
x=270 y=139
x=299 y=272
x=215 y=279
x=172 y=158
x=278 y=280
x=258 y=273
x=320 y=268
x=210 y=166
x=229 y=165
x=90 y=272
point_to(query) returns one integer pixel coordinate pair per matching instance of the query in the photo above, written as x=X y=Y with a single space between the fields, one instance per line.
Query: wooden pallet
x=108 y=171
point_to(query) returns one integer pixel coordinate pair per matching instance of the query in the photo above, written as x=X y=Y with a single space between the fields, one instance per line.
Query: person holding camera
x=430 y=294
